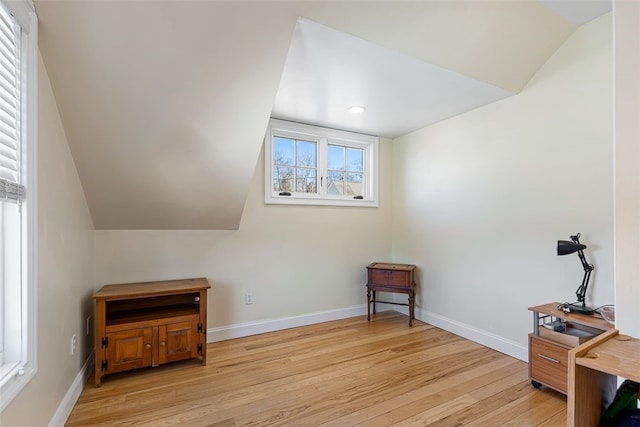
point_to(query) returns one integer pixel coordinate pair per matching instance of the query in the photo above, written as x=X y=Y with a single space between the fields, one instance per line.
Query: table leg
x=412 y=301
x=374 y=302
x=368 y=304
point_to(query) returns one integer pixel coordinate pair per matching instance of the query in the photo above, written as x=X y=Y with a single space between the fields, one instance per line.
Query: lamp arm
x=588 y=268
x=583 y=260
x=582 y=290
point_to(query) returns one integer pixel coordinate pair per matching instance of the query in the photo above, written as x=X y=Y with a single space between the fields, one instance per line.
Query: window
x=310 y=165
x=18 y=80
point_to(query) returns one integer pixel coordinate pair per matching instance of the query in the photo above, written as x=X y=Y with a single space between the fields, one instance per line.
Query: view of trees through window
x=295 y=167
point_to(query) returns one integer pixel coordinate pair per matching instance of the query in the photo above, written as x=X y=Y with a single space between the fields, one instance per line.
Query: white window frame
x=323 y=137
x=16 y=375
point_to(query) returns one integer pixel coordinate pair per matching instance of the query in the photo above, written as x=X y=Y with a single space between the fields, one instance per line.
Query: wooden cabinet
x=549 y=350
x=396 y=278
x=147 y=324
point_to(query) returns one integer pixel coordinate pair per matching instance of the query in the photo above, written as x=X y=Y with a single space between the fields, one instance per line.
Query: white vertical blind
x=10 y=182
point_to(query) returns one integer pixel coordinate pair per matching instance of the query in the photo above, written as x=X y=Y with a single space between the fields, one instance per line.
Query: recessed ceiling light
x=356 y=109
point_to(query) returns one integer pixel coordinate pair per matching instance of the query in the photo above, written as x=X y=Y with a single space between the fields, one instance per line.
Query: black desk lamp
x=566 y=247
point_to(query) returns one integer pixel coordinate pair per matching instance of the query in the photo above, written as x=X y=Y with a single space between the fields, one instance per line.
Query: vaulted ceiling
x=165 y=103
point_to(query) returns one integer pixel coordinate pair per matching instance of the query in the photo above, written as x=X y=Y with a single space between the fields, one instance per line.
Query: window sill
x=14 y=384
x=292 y=200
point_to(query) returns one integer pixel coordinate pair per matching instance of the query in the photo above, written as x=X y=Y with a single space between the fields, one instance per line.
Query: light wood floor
x=343 y=373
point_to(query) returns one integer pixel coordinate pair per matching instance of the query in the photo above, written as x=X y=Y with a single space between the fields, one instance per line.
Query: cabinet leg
x=368 y=304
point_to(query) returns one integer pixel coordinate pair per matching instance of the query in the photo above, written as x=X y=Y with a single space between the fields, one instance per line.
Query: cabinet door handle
x=162 y=343
x=147 y=346
x=550 y=359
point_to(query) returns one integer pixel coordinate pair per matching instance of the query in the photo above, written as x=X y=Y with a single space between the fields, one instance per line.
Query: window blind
x=11 y=187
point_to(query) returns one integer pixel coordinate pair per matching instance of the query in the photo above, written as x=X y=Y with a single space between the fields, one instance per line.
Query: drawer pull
x=550 y=359
x=147 y=346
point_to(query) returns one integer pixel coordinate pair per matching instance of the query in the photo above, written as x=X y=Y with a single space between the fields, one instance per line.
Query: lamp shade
x=566 y=247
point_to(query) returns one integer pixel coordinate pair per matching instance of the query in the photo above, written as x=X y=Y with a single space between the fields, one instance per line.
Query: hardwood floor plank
x=539 y=414
x=439 y=412
x=344 y=373
x=527 y=400
x=434 y=393
x=495 y=402
x=557 y=420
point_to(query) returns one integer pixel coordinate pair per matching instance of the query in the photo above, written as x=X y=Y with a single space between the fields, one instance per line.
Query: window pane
x=282 y=178
x=354 y=177
x=335 y=157
x=354 y=184
x=10 y=280
x=283 y=150
x=335 y=183
x=306 y=154
x=355 y=160
x=305 y=180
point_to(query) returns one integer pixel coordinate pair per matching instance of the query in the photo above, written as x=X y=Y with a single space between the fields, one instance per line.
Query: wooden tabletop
x=164 y=287
x=551 y=309
x=619 y=355
x=391 y=266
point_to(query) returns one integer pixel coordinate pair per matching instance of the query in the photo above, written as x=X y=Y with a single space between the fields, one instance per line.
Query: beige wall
x=295 y=260
x=627 y=177
x=65 y=253
x=484 y=196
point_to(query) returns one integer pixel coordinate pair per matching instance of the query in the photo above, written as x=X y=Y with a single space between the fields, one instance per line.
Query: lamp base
x=574 y=308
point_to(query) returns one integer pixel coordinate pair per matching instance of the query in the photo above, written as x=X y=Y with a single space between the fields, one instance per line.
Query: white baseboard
x=495 y=342
x=70 y=399
x=270 y=325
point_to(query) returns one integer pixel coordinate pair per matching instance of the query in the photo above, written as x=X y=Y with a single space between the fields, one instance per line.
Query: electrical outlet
x=248 y=298
x=74 y=344
x=88 y=325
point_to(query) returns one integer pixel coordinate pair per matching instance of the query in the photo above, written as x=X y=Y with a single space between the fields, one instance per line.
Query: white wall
x=482 y=198
x=627 y=161
x=296 y=260
x=66 y=277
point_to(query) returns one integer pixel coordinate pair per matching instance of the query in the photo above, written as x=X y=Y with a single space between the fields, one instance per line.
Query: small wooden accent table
x=147 y=324
x=386 y=277
x=593 y=367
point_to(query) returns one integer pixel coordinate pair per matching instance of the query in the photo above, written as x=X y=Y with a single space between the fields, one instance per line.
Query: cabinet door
x=129 y=349
x=178 y=341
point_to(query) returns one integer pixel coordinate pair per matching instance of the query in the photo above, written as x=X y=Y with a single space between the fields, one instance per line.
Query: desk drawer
x=548 y=363
x=395 y=278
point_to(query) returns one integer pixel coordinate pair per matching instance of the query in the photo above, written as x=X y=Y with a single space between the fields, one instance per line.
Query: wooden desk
x=386 y=277
x=593 y=367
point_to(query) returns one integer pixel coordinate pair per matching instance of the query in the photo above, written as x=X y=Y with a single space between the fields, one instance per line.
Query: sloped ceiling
x=165 y=103
x=328 y=71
